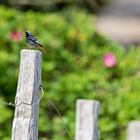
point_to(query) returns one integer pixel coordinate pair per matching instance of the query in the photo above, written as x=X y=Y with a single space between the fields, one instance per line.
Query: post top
x=29 y=51
x=134 y=123
x=88 y=101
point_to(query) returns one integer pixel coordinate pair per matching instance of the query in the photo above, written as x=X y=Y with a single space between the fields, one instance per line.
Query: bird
x=33 y=42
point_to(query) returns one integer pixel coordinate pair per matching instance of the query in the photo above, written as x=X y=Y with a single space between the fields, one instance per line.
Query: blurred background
x=93 y=53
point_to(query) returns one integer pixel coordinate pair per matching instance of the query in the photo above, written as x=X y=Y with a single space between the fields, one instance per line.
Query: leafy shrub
x=73 y=68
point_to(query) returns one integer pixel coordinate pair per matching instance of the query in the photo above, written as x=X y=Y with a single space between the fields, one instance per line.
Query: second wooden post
x=87 y=120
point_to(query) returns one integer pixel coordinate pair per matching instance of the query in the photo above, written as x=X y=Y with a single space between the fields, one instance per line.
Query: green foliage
x=73 y=68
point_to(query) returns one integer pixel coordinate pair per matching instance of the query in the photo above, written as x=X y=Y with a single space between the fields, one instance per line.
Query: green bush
x=73 y=68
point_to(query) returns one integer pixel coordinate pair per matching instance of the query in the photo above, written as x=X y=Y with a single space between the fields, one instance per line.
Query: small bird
x=33 y=42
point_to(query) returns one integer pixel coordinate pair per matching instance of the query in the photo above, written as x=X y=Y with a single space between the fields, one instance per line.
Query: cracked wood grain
x=25 y=123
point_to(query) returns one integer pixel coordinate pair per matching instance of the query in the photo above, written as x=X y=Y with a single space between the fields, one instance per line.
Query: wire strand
x=16 y=105
x=62 y=121
x=50 y=102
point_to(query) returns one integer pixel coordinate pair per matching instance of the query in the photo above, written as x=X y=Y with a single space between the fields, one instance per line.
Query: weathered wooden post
x=133 y=130
x=86 y=120
x=25 y=123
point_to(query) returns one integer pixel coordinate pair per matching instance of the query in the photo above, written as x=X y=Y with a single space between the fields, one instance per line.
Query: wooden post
x=25 y=124
x=86 y=120
x=133 y=130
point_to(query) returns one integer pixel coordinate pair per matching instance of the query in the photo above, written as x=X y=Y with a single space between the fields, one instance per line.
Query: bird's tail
x=42 y=49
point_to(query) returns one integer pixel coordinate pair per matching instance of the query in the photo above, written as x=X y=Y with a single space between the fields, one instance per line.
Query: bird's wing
x=34 y=40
